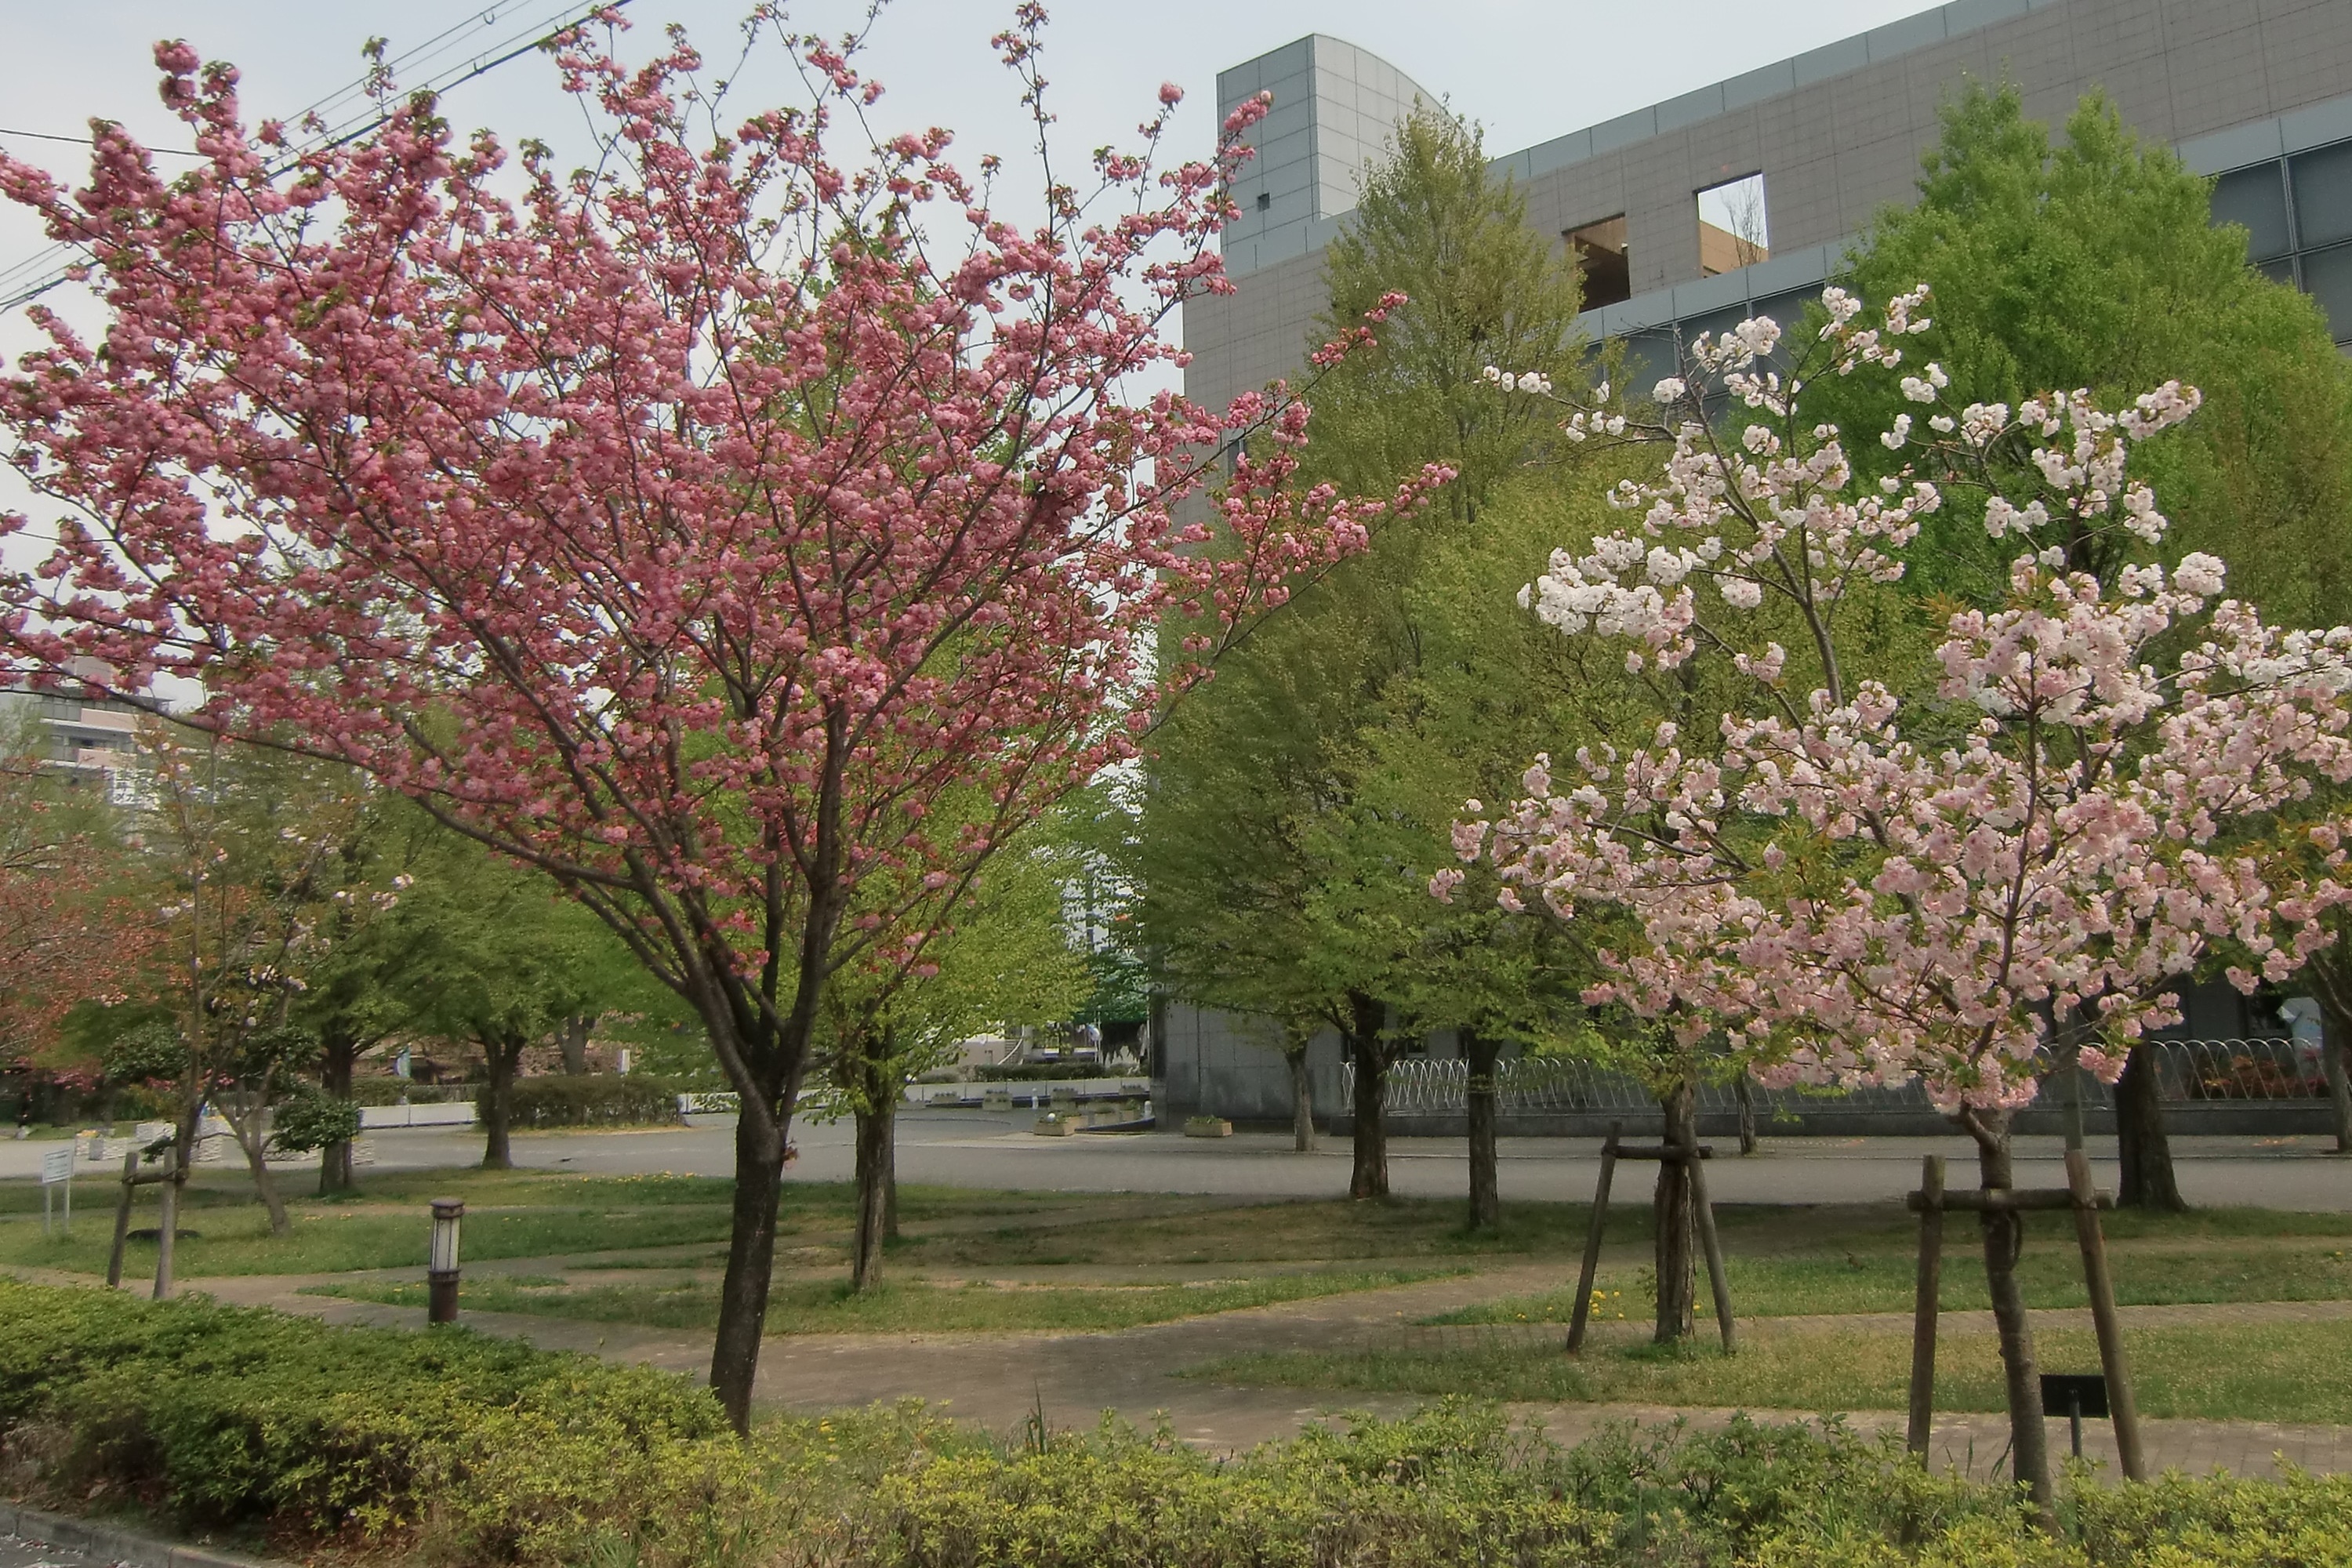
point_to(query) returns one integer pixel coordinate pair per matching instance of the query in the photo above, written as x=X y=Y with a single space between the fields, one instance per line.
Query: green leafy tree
x=1007 y=959
x=1245 y=873
x=489 y=952
x=248 y=856
x=2090 y=260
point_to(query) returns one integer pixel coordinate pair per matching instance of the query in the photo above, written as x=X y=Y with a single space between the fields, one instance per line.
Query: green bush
x=310 y=1119
x=144 y=1103
x=593 y=1099
x=459 y=1449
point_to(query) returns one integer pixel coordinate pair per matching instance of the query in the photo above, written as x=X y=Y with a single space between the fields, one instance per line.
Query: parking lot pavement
x=15 y=1551
x=996 y=1150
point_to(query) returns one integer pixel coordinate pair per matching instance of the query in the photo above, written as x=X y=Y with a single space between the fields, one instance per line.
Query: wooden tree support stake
x=1582 y=1307
x=1930 y=1202
x=122 y=1219
x=1694 y=1163
x=2121 y=1408
x=134 y=1178
x=1923 y=1315
x=1688 y=1155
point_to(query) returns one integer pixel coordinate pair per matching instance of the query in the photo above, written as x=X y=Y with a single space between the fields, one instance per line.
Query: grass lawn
x=2147 y=1273
x=509 y=1213
x=2283 y=1372
x=819 y=1306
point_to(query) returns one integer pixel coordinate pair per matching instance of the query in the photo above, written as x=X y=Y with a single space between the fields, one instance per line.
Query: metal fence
x=2187 y=1070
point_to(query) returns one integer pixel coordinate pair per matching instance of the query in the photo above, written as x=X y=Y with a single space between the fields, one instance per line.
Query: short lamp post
x=441 y=1272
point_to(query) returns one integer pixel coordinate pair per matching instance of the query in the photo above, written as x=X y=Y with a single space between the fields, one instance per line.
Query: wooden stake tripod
x=1691 y=1157
x=167 y=1177
x=1930 y=1202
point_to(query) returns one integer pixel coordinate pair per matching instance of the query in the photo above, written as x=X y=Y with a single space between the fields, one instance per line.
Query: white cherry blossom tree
x=1861 y=877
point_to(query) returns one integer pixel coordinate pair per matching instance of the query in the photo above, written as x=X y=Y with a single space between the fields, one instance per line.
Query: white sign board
x=57 y=1168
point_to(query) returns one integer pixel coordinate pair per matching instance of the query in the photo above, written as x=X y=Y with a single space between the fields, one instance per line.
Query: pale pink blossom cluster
x=1862 y=888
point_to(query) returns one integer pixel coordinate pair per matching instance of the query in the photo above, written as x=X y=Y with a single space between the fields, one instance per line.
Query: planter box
x=1056 y=1125
x=1207 y=1126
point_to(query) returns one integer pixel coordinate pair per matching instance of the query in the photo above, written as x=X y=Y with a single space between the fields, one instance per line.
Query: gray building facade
x=2257 y=92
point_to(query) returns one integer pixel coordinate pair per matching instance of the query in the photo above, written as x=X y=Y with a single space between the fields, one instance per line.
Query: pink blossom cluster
x=1860 y=887
x=734 y=531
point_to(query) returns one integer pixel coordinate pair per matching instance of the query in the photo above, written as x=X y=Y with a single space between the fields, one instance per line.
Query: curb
x=112 y=1543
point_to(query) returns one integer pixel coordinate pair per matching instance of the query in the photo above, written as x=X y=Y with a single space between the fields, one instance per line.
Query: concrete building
x=1744 y=194
x=1741 y=198
x=69 y=730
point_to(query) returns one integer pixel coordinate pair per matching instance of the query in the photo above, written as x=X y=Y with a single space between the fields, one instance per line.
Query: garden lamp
x=441 y=1270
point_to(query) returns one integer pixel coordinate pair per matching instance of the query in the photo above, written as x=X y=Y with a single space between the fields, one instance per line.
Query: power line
x=90 y=142
x=336 y=134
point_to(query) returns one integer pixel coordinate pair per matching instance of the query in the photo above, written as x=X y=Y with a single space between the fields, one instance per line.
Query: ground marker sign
x=57 y=1170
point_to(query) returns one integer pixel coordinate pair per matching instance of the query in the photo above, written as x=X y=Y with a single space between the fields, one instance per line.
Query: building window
x=1265 y=200
x=2255 y=198
x=2297 y=215
x=1732 y=232
x=1603 y=261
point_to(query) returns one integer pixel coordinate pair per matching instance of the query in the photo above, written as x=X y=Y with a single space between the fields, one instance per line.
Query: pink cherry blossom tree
x=1969 y=876
x=739 y=531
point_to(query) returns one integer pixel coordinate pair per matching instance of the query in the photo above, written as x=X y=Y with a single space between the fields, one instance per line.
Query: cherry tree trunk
x=2004 y=1239
x=1480 y=1050
x=502 y=1057
x=2148 y=1182
x=1368 y=1178
x=875 y=1135
x=750 y=1260
x=1302 y=1102
x=255 y=1145
x=1676 y=1220
x=339 y=1054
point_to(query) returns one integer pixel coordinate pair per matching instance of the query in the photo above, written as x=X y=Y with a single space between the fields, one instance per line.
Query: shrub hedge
x=461 y=1449
x=592 y=1099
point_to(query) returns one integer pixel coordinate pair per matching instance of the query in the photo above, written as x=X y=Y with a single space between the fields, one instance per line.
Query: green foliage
x=2089 y=261
x=1006 y=958
x=224 y=1415
x=489 y=952
x=1482 y=288
x=310 y=1119
x=1298 y=806
x=461 y=1449
x=593 y=1099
